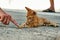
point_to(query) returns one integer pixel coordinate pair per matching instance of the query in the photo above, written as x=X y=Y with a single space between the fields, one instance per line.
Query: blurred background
x=34 y=4
x=11 y=32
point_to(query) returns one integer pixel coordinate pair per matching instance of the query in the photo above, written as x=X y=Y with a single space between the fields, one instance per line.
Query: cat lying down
x=34 y=21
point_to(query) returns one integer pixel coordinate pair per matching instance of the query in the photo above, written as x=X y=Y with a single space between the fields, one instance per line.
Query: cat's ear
x=34 y=13
x=31 y=11
x=28 y=9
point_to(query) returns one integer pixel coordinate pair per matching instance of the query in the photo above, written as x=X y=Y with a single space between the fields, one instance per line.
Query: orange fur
x=34 y=21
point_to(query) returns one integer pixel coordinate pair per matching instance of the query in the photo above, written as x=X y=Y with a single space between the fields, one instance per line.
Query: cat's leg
x=22 y=25
x=48 y=23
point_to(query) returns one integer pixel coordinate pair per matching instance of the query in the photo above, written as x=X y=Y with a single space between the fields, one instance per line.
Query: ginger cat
x=34 y=21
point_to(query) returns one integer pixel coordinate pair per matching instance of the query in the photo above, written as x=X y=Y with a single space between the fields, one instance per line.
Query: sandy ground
x=11 y=32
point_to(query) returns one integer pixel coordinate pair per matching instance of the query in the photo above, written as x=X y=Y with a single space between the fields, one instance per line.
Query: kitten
x=34 y=21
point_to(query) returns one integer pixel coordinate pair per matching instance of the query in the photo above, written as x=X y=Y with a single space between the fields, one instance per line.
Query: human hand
x=6 y=18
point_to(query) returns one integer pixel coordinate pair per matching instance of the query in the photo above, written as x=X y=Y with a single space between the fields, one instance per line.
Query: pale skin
x=6 y=18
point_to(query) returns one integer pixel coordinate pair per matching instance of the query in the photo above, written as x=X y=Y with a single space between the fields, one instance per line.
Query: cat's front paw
x=20 y=27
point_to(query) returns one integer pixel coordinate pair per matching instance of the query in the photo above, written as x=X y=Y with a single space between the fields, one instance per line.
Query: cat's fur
x=34 y=21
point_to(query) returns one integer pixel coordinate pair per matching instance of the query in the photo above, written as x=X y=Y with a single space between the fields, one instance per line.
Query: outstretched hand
x=6 y=18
